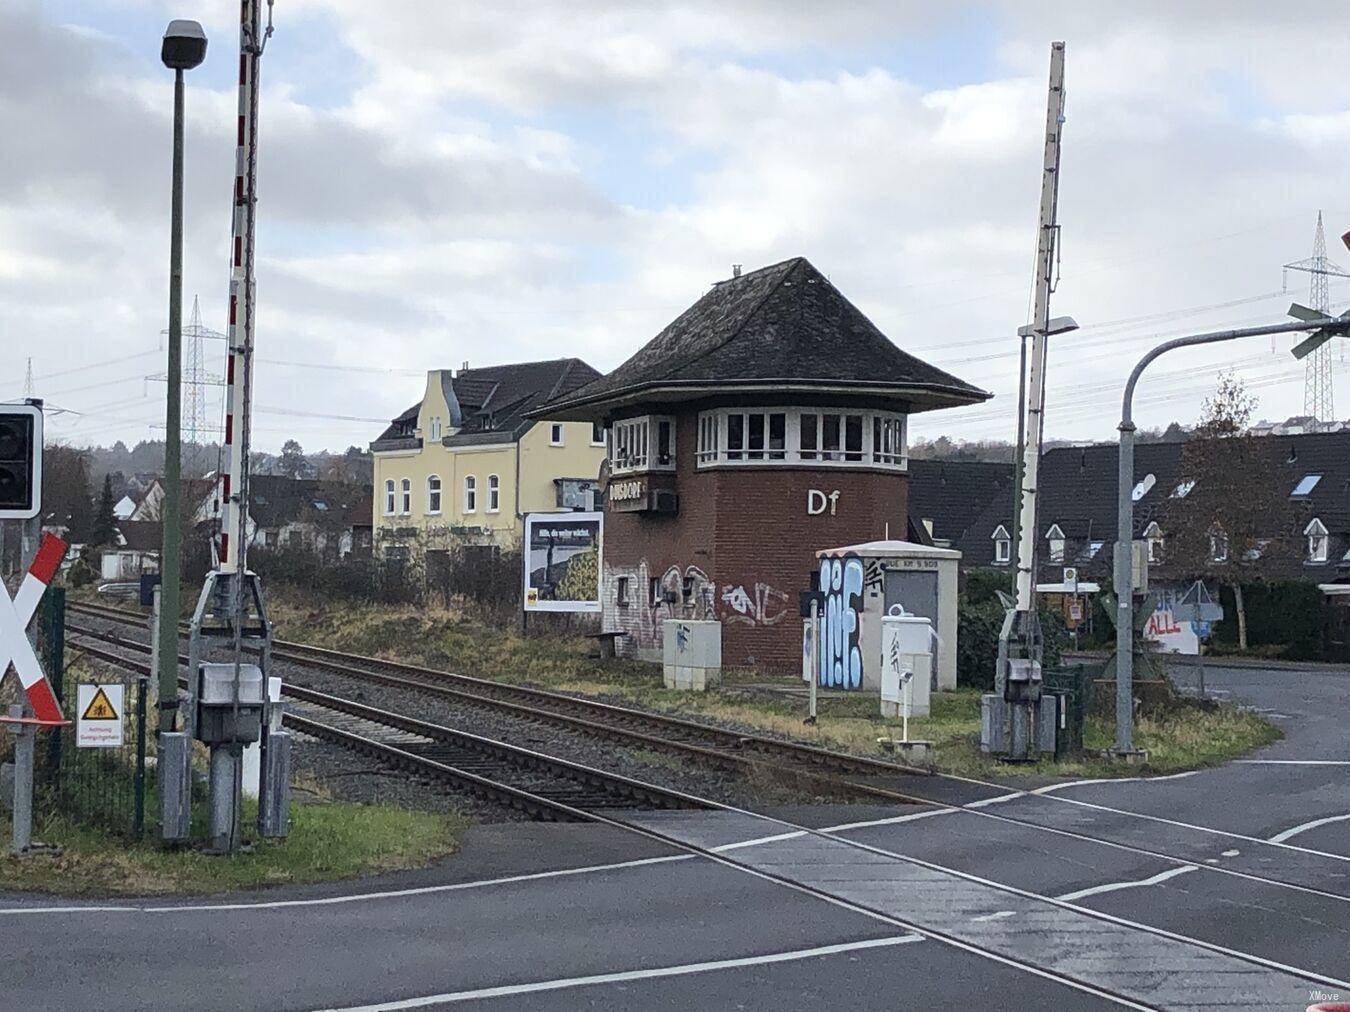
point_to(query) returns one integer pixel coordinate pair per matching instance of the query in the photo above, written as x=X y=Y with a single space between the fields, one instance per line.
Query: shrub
x=979 y=621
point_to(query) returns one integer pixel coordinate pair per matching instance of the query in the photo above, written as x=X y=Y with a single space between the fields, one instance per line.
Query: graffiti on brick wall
x=763 y=605
x=678 y=593
x=841 y=581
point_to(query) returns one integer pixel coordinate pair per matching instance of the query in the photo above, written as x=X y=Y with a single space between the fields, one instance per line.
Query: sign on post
x=15 y=615
x=99 y=715
x=562 y=561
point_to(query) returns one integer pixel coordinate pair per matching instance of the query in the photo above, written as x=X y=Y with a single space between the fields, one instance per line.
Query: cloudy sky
x=442 y=182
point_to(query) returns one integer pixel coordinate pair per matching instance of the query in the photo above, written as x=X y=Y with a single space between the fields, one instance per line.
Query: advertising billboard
x=562 y=561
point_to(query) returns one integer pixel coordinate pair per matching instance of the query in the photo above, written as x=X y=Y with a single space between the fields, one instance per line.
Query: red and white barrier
x=14 y=618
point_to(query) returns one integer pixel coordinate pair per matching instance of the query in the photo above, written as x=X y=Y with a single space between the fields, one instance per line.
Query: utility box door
x=915 y=590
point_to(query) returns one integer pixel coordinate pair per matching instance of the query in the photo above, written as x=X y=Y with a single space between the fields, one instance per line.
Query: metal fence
x=103 y=786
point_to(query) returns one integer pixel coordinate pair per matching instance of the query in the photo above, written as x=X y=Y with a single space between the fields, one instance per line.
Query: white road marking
x=1111 y=887
x=995 y=916
x=1231 y=853
x=1289 y=833
x=508 y=990
x=348 y=897
x=1293 y=762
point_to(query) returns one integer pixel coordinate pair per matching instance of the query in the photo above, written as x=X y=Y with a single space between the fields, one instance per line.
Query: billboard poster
x=562 y=561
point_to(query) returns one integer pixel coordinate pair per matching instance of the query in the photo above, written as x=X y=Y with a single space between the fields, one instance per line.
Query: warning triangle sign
x=99 y=708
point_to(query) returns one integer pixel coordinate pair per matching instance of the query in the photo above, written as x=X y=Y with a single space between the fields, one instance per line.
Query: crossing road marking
x=1296 y=830
x=629 y=975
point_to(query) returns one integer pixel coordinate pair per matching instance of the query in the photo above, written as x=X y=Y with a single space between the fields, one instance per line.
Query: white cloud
x=508 y=181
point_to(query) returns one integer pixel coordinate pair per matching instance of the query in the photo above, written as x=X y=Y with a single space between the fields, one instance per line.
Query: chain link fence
x=97 y=786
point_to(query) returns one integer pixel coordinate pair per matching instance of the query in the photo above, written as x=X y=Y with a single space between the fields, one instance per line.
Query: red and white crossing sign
x=15 y=615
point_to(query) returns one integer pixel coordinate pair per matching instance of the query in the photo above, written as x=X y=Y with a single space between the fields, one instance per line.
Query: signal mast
x=230 y=694
x=1015 y=716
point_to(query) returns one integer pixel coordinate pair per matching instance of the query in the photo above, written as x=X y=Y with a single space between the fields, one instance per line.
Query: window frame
x=1316 y=532
x=390 y=498
x=635 y=442
x=1002 y=546
x=494 y=494
x=437 y=492
x=405 y=493
x=1056 y=545
x=817 y=437
x=600 y=428
x=557 y=435
x=1156 y=541
x=470 y=493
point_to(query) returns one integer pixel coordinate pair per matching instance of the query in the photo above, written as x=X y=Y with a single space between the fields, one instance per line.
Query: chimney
x=735 y=270
x=465 y=366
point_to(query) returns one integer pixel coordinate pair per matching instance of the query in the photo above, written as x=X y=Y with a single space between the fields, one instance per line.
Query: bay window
x=644 y=444
x=793 y=435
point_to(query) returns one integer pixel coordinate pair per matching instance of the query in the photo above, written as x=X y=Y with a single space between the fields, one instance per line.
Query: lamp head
x=184 y=45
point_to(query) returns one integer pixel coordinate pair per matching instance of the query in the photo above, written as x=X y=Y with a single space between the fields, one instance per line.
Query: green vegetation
x=327 y=842
x=1185 y=736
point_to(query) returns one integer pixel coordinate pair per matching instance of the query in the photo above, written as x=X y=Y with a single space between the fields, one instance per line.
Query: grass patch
x=327 y=842
x=1190 y=735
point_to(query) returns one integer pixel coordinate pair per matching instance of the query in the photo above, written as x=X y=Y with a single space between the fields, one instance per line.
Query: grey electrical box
x=173 y=767
x=993 y=727
x=1047 y=723
x=274 y=799
x=217 y=721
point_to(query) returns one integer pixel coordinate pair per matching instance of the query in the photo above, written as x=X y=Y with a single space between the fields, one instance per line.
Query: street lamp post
x=184 y=47
x=1324 y=327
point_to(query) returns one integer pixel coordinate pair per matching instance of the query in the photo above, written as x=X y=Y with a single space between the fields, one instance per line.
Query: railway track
x=1094 y=952
x=545 y=786
x=800 y=766
x=1177 y=843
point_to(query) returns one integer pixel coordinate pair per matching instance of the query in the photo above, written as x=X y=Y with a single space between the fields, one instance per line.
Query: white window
x=494 y=503
x=1002 y=546
x=436 y=429
x=1218 y=544
x=1054 y=538
x=406 y=489
x=644 y=444
x=555 y=434
x=1142 y=489
x=597 y=434
x=1154 y=536
x=708 y=426
x=1318 y=542
x=434 y=494
x=801 y=435
x=470 y=494
x=389 y=500
x=1306 y=484
x=1184 y=489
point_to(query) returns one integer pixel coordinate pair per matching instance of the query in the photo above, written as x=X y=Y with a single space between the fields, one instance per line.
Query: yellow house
x=464 y=464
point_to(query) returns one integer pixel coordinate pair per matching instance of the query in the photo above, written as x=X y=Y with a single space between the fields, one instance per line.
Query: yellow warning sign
x=99 y=708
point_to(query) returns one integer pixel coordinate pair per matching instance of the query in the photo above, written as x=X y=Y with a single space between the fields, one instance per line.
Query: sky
x=442 y=183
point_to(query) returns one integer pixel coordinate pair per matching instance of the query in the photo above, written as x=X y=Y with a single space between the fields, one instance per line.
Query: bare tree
x=1230 y=518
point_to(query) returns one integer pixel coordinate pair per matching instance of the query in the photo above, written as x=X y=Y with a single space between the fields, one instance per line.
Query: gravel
x=346 y=776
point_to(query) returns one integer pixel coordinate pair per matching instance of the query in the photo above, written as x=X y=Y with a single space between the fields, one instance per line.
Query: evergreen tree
x=105 y=523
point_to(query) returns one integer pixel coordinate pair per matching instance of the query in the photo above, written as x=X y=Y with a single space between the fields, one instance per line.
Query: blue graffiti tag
x=841 y=581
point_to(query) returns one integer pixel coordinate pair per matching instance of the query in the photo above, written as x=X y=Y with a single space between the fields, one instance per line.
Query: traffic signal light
x=20 y=461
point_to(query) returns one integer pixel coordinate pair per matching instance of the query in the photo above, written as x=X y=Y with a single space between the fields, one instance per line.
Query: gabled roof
x=1078 y=491
x=492 y=402
x=141 y=535
x=784 y=327
x=275 y=501
x=953 y=493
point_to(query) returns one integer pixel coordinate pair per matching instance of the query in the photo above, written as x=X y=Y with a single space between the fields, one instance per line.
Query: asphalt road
x=518 y=920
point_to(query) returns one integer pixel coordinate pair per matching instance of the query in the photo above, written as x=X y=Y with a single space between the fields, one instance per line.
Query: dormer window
x=1054 y=539
x=1318 y=541
x=1002 y=546
x=1153 y=535
x=644 y=444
